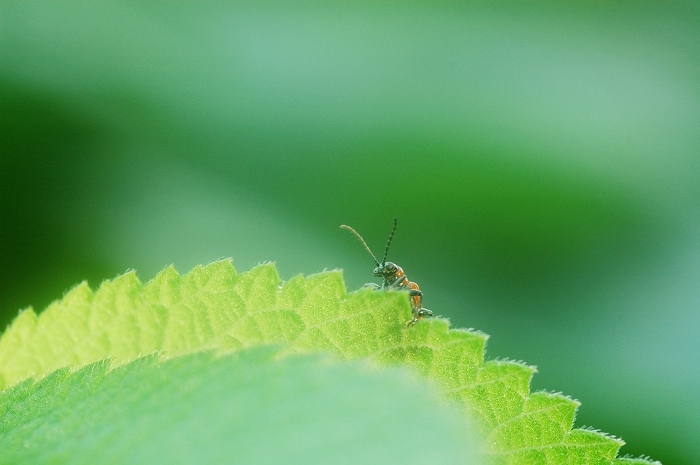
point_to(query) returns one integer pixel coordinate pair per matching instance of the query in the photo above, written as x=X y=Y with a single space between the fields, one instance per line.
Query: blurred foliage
x=543 y=162
x=209 y=409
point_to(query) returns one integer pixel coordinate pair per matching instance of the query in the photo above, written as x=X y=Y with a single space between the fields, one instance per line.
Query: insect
x=394 y=278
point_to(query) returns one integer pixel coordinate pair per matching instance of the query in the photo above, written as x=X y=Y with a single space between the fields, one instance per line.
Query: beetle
x=394 y=278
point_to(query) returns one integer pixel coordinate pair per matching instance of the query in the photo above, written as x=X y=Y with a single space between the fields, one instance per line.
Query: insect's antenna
x=391 y=236
x=342 y=226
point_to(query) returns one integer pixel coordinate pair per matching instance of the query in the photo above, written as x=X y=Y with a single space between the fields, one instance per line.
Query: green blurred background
x=543 y=161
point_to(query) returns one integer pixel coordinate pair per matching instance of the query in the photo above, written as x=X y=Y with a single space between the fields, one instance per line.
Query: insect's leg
x=418 y=315
x=424 y=313
x=374 y=286
x=395 y=283
x=416 y=298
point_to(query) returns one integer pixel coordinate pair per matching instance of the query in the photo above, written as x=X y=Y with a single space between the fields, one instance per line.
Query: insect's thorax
x=392 y=274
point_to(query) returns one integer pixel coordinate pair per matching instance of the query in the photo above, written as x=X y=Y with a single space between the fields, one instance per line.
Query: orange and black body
x=394 y=278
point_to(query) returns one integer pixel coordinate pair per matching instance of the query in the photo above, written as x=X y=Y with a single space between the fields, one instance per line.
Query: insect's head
x=384 y=268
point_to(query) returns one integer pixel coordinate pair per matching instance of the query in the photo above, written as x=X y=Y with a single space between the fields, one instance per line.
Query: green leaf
x=242 y=408
x=212 y=307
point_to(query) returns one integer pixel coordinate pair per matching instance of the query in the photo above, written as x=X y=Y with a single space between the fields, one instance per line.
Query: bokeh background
x=543 y=160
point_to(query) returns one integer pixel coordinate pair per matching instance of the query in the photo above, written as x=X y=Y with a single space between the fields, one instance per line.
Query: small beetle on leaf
x=394 y=278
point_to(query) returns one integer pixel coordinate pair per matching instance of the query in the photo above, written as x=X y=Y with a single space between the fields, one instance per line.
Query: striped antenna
x=391 y=236
x=342 y=226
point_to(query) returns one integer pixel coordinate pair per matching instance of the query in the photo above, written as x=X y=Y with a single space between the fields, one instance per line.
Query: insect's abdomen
x=416 y=300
